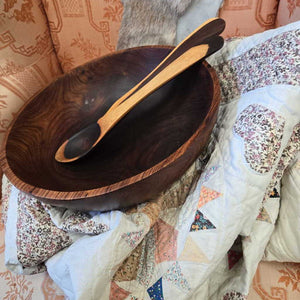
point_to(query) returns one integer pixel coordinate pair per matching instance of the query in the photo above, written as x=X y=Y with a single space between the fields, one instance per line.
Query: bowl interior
x=152 y=131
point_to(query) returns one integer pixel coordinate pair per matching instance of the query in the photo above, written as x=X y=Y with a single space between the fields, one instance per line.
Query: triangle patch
x=117 y=293
x=132 y=238
x=274 y=194
x=233 y=258
x=206 y=195
x=201 y=223
x=155 y=292
x=191 y=252
x=175 y=276
x=264 y=216
x=165 y=241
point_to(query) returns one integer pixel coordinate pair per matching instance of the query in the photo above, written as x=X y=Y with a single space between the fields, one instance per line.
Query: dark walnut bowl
x=139 y=158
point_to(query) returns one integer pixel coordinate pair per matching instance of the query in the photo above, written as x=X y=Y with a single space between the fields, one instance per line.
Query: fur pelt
x=150 y=22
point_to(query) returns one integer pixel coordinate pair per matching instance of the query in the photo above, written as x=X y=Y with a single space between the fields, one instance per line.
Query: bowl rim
x=90 y=193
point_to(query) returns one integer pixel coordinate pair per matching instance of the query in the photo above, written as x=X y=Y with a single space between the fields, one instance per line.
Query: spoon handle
x=211 y=27
x=177 y=66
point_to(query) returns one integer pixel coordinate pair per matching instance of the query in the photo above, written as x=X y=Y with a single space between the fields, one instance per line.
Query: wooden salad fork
x=201 y=43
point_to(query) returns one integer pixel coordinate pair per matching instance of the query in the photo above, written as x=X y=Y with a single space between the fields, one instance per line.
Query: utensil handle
x=213 y=26
x=187 y=59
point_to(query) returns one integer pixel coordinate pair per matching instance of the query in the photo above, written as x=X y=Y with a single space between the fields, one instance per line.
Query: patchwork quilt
x=204 y=237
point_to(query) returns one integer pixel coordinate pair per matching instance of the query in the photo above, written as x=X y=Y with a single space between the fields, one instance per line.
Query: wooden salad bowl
x=148 y=150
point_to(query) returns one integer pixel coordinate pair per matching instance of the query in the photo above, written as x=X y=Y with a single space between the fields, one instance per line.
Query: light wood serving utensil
x=204 y=41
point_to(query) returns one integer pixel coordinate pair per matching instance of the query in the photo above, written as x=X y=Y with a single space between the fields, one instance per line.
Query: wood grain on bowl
x=140 y=157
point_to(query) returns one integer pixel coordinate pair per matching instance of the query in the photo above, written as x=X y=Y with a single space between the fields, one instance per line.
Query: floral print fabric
x=261 y=130
x=39 y=238
x=273 y=62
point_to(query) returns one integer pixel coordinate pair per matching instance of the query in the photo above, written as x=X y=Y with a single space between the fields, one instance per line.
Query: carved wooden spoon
x=201 y=43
